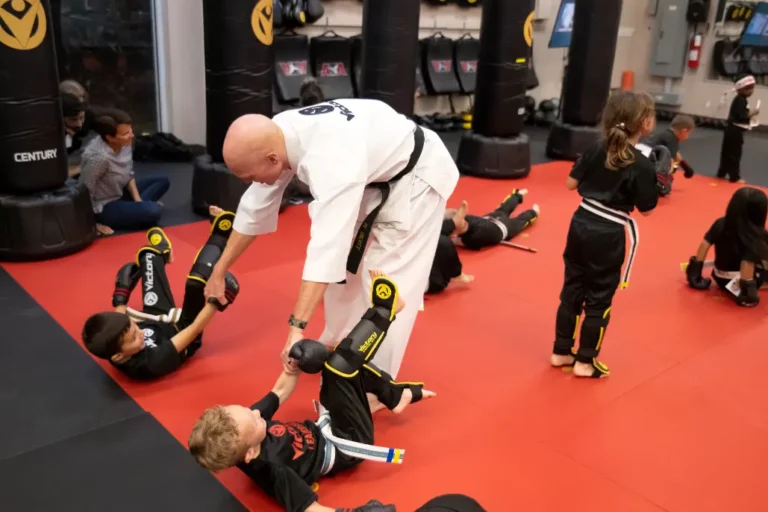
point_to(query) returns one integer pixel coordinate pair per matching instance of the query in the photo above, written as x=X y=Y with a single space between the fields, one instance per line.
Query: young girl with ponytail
x=613 y=179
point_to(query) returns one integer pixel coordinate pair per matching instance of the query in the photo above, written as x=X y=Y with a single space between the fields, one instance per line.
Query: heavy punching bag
x=587 y=81
x=496 y=148
x=238 y=64
x=41 y=217
x=390 y=52
x=33 y=155
x=238 y=79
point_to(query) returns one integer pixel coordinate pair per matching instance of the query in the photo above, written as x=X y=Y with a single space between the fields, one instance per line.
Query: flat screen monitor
x=756 y=28
x=561 y=32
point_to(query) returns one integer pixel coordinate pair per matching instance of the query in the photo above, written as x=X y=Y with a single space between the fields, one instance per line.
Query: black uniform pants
x=445 y=266
x=157 y=296
x=347 y=402
x=594 y=255
x=485 y=233
x=730 y=153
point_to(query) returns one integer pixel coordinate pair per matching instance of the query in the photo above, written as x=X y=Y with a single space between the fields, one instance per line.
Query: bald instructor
x=377 y=179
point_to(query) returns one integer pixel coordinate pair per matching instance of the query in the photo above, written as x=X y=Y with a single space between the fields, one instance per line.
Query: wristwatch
x=293 y=322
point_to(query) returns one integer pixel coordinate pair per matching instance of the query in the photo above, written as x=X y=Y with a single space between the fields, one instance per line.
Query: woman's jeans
x=127 y=214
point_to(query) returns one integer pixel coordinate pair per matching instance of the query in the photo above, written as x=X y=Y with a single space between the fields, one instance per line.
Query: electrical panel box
x=670 y=36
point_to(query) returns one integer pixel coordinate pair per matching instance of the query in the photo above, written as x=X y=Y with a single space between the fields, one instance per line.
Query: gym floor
x=675 y=428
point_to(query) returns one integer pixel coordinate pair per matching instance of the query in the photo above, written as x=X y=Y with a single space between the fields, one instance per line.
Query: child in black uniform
x=670 y=138
x=741 y=249
x=613 y=178
x=475 y=233
x=739 y=118
x=285 y=458
x=164 y=337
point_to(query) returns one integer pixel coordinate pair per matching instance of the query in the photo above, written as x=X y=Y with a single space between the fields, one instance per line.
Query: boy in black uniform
x=741 y=249
x=163 y=337
x=739 y=119
x=671 y=138
x=475 y=233
x=285 y=459
x=613 y=178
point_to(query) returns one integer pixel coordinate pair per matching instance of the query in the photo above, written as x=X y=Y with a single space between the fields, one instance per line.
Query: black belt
x=361 y=239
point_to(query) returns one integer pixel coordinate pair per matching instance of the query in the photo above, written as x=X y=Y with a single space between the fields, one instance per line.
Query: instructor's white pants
x=405 y=255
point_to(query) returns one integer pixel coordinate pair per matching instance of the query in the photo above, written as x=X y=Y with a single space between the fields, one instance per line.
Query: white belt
x=726 y=274
x=351 y=448
x=171 y=317
x=501 y=226
x=625 y=220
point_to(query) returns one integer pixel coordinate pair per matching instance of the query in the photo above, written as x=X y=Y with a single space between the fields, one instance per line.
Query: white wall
x=701 y=94
x=182 y=67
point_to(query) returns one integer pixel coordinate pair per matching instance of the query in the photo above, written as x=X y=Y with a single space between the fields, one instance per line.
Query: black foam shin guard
x=194 y=302
x=592 y=333
x=155 y=289
x=566 y=325
x=207 y=258
x=361 y=344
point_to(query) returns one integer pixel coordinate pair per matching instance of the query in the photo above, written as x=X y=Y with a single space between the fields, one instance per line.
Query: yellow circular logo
x=23 y=24
x=155 y=239
x=225 y=224
x=383 y=291
x=528 y=29
x=261 y=21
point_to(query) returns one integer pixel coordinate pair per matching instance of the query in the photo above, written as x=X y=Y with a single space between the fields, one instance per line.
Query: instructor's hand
x=290 y=365
x=215 y=288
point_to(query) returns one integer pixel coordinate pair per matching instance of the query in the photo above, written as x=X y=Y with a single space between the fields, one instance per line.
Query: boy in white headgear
x=739 y=121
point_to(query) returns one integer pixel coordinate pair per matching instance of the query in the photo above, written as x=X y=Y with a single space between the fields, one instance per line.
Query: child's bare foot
x=374 y=273
x=104 y=230
x=459 y=220
x=537 y=209
x=522 y=191
x=405 y=400
x=374 y=404
x=214 y=210
x=464 y=278
x=557 y=360
x=597 y=370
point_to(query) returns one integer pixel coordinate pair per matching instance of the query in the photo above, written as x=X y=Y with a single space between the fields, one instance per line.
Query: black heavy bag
x=496 y=148
x=590 y=60
x=33 y=155
x=238 y=62
x=505 y=47
x=390 y=52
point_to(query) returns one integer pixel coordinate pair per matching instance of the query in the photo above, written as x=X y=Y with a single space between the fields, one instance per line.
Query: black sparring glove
x=687 y=169
x=371 y=506
x=748 y=296
x=125 y=282
x=231 y=289
x=310 y=354
x=693 y=273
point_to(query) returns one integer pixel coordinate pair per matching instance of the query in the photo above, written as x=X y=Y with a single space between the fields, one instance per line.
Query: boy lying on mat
x=284 y=459
x=475 y=233
x=156 y=341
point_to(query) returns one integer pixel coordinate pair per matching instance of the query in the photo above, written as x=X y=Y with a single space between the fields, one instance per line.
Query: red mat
x=680 y=425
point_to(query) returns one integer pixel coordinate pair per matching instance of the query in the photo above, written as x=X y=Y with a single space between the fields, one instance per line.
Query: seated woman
x=475 y=233
x=120 y=201
x=741 y=249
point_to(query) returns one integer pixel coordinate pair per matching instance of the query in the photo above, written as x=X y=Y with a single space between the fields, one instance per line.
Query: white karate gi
x=336 y=148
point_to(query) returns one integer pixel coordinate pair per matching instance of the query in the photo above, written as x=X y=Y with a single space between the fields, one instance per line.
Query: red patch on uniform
x=277 y=430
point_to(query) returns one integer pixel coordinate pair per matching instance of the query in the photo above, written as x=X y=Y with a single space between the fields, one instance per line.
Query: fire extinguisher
x=694 y=52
